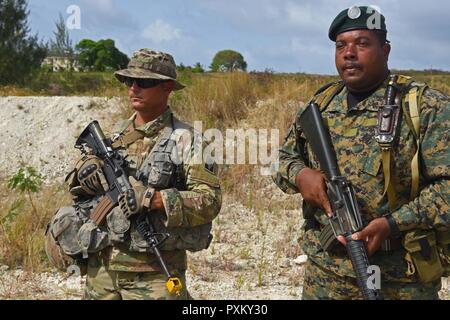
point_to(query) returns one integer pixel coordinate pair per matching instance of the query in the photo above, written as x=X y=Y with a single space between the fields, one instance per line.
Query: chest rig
x=161 y=167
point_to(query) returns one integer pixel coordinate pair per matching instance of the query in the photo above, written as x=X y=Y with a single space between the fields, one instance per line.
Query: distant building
x=59 y=63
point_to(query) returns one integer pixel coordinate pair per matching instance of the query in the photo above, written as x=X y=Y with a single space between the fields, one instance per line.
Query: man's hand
x=311 y=184
x=373 y=235
x=90 y=175
x=134 y=201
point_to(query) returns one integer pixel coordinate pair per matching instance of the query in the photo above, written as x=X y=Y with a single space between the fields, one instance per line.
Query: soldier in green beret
x=175 y=188
x=402 y=187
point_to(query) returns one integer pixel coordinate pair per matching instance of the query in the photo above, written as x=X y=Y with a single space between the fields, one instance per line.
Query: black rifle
x=346 y=218
x=115 y=170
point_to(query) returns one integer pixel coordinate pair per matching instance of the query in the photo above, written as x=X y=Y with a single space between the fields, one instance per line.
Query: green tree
x=100 y=55
x=181 y=67
x=228 y=60
x=198 y=68
x=20 y=53
x=61 y=45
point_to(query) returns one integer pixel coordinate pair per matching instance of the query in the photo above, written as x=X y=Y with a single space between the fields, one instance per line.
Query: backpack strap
x=412 y=99
x=387 y=132
x=325 y=94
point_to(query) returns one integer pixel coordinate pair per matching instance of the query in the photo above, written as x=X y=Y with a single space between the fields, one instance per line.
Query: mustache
x=351 y=65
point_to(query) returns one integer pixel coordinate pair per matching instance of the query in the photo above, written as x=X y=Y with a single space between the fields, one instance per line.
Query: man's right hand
x=312 y=186
x=90 y=175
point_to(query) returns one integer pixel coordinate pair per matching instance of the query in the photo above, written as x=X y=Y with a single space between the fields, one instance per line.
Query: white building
x=61 y=63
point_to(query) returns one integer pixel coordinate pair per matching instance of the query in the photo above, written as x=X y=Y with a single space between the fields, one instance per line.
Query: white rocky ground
x=41 y=131
x=254 y=254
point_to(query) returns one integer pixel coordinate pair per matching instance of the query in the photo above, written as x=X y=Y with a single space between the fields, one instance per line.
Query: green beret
x=357 y=18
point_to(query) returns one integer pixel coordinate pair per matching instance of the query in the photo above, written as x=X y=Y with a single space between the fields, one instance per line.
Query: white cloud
x=160 y=31
x=305 y=16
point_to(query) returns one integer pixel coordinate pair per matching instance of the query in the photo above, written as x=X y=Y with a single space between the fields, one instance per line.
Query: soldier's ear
x=386 y=50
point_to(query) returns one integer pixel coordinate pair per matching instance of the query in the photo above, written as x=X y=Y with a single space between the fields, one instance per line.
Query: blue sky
x=282 y=35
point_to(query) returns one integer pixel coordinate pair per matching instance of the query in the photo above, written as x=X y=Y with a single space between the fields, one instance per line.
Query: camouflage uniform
x=329 y=275
x=118 y=272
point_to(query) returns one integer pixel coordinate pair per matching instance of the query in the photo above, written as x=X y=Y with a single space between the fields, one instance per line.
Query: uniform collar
x=371 y=103
x=150 y=128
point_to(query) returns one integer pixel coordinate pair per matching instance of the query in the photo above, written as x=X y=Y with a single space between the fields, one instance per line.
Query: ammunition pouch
x=422 y=255
x=91 y=239
x=75 y=234
x=117 y=225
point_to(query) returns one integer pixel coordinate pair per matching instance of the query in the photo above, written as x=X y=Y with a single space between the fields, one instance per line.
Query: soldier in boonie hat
x=150 y=64
x=167 y=174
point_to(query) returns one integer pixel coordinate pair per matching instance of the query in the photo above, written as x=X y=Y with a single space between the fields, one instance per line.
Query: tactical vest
x=427 y=251
x=159 y=170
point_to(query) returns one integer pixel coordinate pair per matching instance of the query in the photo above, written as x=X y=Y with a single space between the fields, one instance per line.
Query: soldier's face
x=361 y=60
x=150 y=98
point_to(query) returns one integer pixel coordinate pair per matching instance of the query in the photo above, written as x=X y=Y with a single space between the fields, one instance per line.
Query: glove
x=135 y=200
x=90 y=175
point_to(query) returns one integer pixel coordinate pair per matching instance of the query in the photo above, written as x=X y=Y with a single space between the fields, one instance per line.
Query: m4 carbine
x=115 y=170
x=346 y=218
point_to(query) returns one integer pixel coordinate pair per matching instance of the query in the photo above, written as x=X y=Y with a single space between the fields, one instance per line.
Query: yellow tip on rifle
x=174 y=286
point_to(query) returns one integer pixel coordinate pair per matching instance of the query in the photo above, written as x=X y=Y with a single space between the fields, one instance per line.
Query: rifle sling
x=101 y=210
x=127 y=139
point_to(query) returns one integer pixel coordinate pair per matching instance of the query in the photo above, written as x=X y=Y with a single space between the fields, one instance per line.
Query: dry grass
x=22 y=231
x=242 y=100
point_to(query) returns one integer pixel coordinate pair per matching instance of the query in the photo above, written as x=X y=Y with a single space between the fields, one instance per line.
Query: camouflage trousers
x=104 y=284
x=322 y=284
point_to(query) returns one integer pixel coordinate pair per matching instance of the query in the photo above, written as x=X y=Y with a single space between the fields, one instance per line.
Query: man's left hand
x=133 y=201
x=373 y=235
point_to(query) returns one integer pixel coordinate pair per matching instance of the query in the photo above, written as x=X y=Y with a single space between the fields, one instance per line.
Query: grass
x=45 y=83
x=22 y=228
